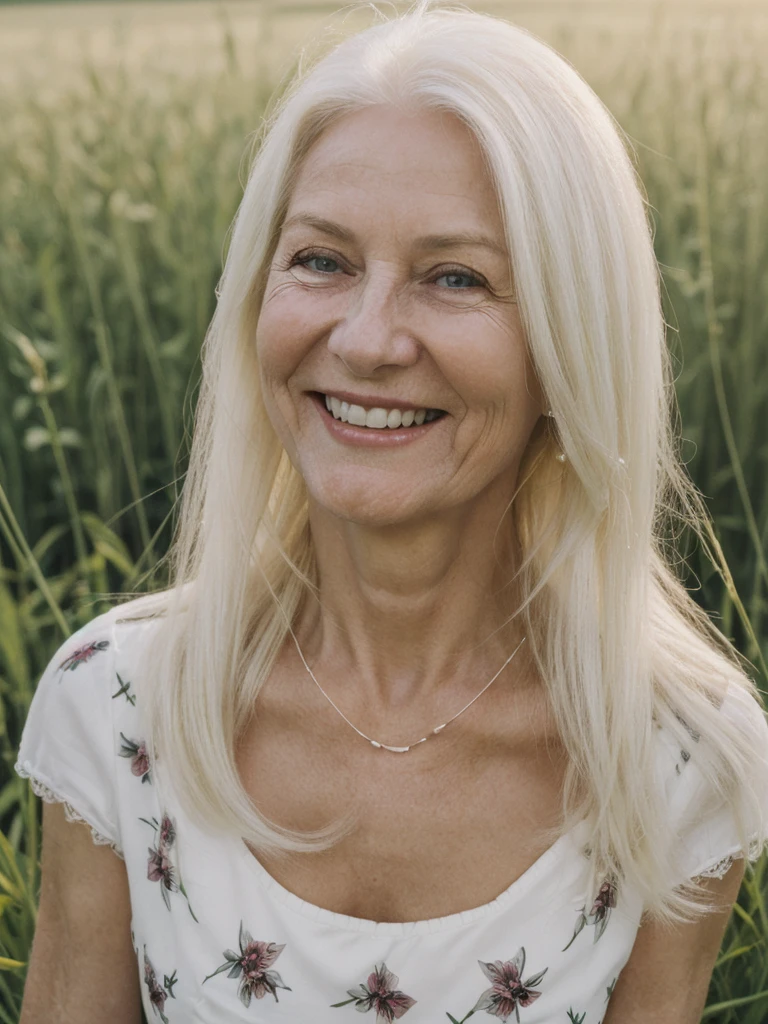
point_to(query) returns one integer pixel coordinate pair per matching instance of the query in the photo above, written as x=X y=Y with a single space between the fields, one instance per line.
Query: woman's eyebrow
x=426 y=243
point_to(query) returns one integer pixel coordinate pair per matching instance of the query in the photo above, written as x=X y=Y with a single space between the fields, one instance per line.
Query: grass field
x=126 y=130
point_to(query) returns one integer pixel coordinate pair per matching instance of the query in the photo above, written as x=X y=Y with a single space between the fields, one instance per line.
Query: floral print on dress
x=381 y=994
x=83 y=654
x=159 y=866
x=158 y=993
x=508 y=991
x=600 y=912
x=137 y=751
x=124 y=691
x=253 y=966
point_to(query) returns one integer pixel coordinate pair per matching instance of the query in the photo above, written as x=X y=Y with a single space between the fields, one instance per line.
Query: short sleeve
x=706 y=824
x=67 y=744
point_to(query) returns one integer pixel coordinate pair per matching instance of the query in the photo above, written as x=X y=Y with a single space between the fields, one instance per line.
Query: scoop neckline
x=346 y=922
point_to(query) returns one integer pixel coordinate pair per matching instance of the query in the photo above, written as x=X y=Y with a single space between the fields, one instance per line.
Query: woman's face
x=381 y=310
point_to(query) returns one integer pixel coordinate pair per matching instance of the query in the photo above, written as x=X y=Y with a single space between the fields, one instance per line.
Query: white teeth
x=378 y=418
x=356 y=415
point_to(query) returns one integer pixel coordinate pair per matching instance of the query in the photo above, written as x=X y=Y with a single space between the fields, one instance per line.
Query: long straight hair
x=621 y=647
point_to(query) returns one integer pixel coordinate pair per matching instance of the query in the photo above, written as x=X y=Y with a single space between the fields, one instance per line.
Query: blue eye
x=300 y=259
x=308 y=259
x=461 y=273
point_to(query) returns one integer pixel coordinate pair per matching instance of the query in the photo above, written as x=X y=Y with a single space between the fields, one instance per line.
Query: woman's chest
x=228 y=943
x=252 y=956
x=219 y=939
x=432 y=833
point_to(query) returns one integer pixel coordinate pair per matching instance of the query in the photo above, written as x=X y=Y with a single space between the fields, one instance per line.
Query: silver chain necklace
x=434 y=732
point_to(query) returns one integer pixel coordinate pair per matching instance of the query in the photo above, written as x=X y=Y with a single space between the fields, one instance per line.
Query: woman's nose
x=374 y=332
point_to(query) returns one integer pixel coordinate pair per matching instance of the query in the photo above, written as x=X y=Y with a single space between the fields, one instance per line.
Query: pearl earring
x=561 y=456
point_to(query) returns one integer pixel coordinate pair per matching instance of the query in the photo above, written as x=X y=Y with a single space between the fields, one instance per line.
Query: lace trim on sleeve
x=50 y=797
x=720 y=868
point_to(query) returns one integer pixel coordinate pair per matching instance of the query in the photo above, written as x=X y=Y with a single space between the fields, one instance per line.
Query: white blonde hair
x=620 y=645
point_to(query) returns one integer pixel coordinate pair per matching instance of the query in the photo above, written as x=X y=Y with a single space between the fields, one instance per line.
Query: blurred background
x=127 y=130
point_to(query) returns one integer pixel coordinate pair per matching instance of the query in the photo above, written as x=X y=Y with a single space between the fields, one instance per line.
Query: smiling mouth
x=378 y=419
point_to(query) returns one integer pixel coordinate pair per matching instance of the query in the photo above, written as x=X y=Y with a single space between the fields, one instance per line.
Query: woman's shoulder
x=66 y=743
x=84 y=700
x=702 y=812
x=124 y=629
x=739 y=707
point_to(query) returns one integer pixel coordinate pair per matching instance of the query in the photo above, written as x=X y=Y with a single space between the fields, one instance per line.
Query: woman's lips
x=371 y=437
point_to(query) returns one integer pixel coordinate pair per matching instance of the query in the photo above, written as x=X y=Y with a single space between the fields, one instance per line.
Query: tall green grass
x=115 y=198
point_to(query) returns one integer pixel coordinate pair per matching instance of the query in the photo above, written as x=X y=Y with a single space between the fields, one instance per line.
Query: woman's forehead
x=414 y=168
x=395 y=147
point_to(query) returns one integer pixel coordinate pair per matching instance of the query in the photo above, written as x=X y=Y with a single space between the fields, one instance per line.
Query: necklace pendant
x=437 y=729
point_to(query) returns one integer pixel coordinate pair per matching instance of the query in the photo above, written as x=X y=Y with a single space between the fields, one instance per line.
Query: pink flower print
x=167 y=832
x=84 y=653
x=380 y=994
x=160 y=867
x=600 y=912
x=157 y=994
x=601 y=908
x=137 y=751
x=508 y=991
x=253 y=967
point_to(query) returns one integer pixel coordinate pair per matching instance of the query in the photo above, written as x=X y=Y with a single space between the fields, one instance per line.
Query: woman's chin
x=364 y=507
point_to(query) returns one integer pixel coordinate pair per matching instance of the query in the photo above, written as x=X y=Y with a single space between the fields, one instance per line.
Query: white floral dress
x=218 y=940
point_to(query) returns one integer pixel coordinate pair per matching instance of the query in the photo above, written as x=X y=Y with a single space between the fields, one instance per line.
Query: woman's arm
x=667 y=976
x=83 y=966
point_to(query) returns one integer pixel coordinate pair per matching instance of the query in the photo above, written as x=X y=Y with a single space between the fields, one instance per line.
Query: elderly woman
x=426 y=727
